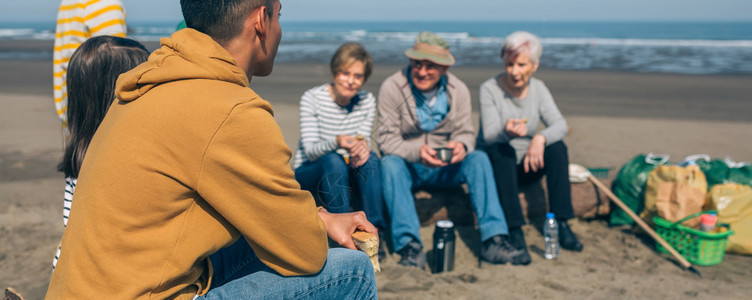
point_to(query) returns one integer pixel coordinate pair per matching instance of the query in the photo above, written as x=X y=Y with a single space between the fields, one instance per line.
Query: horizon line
x=153 y=20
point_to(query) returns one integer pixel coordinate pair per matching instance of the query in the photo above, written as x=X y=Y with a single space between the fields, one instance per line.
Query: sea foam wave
x=311 y=43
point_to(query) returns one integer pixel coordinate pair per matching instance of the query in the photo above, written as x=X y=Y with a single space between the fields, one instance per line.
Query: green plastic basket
x=698 y=247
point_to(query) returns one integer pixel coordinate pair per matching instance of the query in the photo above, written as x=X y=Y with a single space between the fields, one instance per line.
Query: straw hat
x=429 y=46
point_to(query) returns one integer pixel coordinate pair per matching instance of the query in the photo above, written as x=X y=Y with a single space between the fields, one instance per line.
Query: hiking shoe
x=567 y=239
x=412 y=255
x=498 y=250
x=517 y=239
x=382 y=245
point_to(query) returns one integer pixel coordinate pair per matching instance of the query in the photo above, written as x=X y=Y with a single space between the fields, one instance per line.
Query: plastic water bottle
x=551 y=236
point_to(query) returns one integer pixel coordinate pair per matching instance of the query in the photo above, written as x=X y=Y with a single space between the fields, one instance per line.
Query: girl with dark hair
x=92 y=72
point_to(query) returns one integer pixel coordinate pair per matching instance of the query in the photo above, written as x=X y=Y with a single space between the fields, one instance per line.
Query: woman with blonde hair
x=334 y=157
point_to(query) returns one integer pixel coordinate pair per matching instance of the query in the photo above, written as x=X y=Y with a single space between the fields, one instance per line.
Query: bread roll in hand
x=369 y=244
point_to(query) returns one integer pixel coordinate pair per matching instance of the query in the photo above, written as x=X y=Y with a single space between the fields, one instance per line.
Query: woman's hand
x=534 y=156
x=345 y=141
x=359 y=153
x=340 y=227
x=516 y=128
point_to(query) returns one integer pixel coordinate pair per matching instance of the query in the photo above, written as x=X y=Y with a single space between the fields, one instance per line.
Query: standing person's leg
x=397 y=184
x=368 y=178
x=347 y=274
x=556 y=161
x=329 y=178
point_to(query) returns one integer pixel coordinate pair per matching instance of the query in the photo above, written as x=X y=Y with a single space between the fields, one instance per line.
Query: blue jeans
x=331 y=178
x=239 y=274
x=400 y=177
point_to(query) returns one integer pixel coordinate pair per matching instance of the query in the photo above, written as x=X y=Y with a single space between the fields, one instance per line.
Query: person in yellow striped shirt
x=78 y=20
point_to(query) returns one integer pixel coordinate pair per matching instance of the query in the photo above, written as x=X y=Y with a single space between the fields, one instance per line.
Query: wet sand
x=613 y=117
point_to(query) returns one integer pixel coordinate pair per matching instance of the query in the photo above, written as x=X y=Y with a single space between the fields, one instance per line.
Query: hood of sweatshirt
x=187 y=54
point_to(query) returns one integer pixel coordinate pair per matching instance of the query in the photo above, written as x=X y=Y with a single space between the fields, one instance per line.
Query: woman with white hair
x=513 y=106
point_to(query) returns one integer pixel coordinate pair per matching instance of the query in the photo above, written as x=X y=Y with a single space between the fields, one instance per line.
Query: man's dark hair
x=221 y=19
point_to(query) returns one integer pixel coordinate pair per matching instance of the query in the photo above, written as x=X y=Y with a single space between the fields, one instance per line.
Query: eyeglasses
x=416 y=64
x=347 y=75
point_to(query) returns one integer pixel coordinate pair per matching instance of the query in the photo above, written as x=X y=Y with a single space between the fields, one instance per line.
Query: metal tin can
x=443 y=246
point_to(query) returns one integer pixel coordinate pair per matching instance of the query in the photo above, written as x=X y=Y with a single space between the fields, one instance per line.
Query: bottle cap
x=549 y=215
x=708 y=219
x=444 y=224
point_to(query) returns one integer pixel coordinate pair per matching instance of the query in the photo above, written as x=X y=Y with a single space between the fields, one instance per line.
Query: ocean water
x=661 y=47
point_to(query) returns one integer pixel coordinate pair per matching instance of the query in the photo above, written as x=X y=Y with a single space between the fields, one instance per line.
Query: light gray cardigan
x=399 y=132
x=497 y=107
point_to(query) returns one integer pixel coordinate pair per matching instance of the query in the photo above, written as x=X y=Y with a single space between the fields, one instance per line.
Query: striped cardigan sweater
x=322 y=120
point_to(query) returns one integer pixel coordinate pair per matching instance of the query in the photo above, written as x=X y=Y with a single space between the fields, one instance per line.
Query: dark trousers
x=510 y=176
x=334 y=182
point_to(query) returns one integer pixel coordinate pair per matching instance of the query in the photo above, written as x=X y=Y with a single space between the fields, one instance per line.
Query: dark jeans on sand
x=509 y=176
x=334 y=182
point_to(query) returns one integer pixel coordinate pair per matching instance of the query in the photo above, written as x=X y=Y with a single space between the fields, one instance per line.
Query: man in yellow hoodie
x=190 y=160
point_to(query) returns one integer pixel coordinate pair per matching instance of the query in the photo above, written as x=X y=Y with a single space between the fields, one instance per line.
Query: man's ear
x=260 y=20
x=443 y=70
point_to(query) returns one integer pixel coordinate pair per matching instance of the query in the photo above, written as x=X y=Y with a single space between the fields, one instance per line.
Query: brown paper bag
x=674 y=192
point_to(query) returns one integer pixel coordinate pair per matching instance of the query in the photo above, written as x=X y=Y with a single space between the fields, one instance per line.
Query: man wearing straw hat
x=423 y=108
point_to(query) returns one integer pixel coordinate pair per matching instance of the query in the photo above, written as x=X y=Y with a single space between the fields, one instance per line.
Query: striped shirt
x=70 y=187
x=78 y=20
x=322 y=120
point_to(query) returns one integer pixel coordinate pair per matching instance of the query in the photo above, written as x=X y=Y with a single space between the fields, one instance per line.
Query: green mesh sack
x=629 y=185
x=719 y=171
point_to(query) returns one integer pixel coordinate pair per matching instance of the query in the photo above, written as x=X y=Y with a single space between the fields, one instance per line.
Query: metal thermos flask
x=443 y=246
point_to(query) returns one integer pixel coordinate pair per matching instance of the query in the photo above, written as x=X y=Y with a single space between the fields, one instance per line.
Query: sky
x=434 y=10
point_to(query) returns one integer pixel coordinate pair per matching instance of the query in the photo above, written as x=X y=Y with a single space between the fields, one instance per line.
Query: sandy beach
x=613 y=117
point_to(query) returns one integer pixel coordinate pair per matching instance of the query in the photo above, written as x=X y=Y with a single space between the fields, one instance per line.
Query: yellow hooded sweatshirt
x=186 y=161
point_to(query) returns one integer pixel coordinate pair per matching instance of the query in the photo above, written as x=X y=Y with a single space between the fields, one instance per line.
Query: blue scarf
x=429 y=117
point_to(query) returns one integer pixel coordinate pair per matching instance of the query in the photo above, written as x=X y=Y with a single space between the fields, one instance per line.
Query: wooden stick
x=682 y=261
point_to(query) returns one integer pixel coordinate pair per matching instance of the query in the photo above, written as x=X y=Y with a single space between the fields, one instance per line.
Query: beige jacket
x=187 y=161
x=399 y=132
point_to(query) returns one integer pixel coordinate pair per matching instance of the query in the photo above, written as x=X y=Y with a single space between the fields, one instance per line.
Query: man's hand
x=340 y=227
x=534 y=156
x=459 y=152
x=428 y=157
x=516 y=128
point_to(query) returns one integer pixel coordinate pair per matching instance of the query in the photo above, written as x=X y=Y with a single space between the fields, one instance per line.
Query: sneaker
x=498 y=250
x=517 y=239
x=412 y=255
x=382 y=245
x=567 y=239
